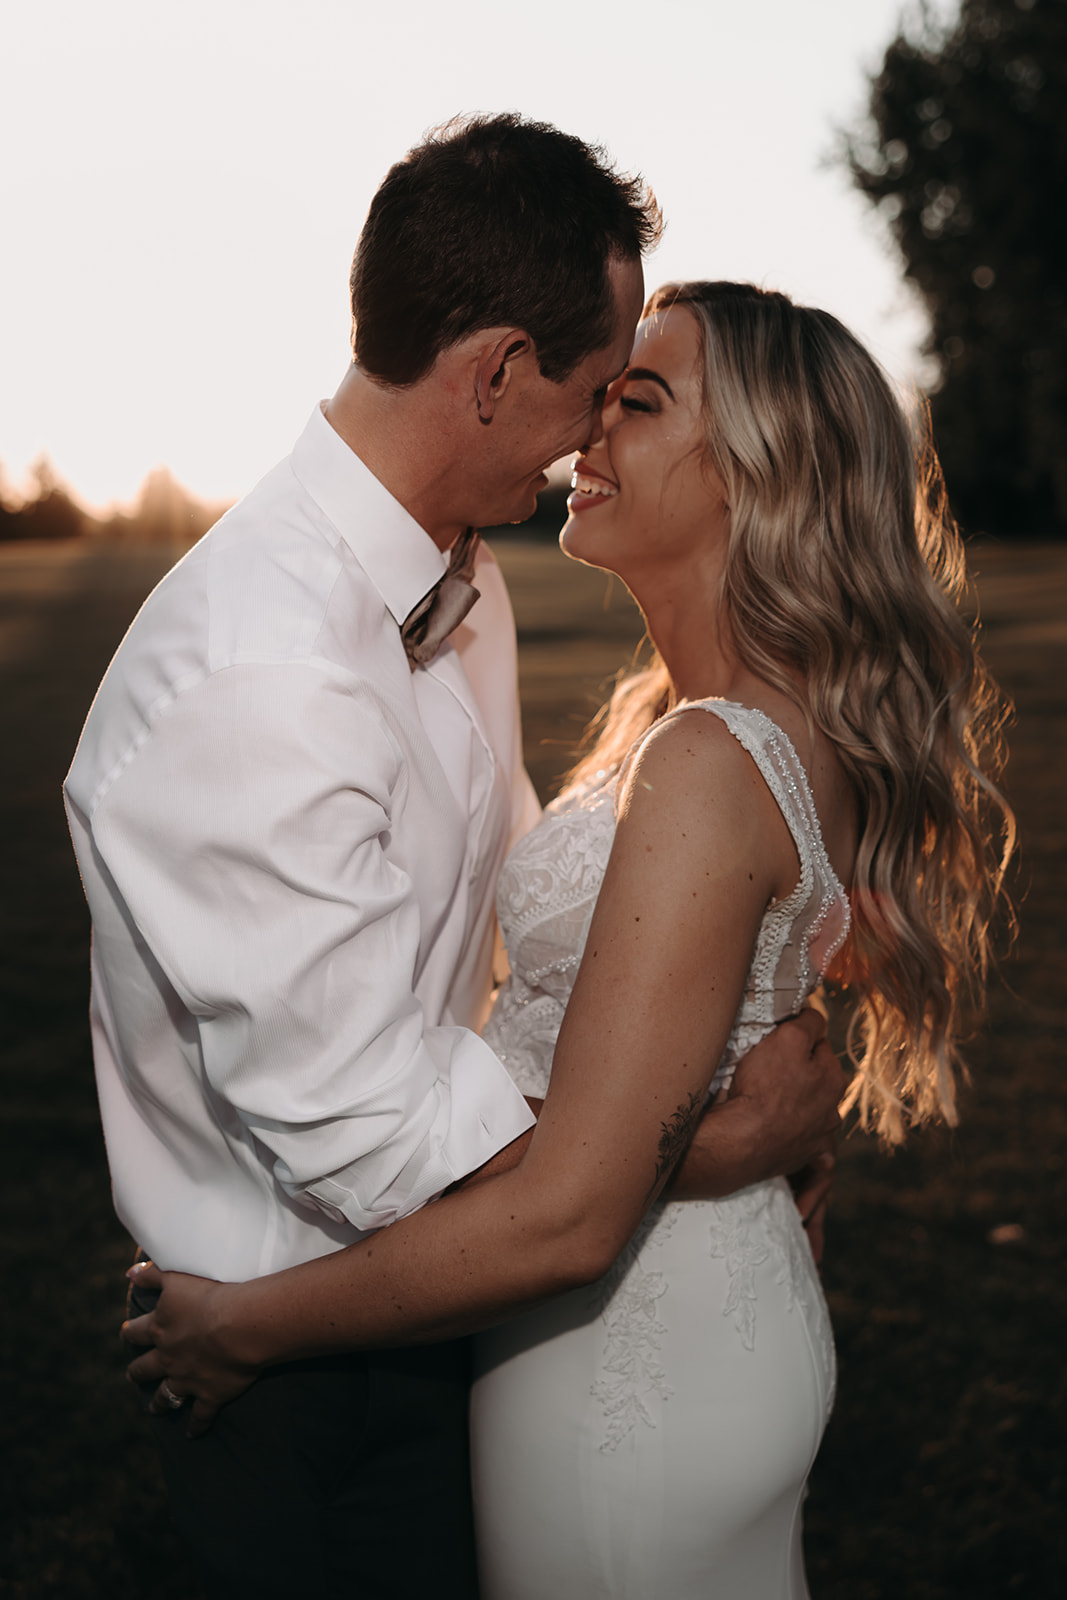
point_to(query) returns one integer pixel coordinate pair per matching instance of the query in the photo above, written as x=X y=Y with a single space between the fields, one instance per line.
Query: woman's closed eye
x=630 y=402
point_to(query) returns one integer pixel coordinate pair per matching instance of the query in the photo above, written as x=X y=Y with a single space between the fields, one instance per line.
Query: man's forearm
x=723 y=1156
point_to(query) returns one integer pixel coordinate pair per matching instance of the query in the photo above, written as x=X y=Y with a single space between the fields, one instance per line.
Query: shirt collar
x=398 y=556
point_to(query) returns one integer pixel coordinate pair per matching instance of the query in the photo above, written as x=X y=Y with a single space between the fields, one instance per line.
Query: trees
x=165 y=512
x=48 y=514
x=966 y=159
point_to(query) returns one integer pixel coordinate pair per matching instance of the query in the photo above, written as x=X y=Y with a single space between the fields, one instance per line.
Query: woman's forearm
x=469 y=1260
x=473 y=1259
x=499 y=1246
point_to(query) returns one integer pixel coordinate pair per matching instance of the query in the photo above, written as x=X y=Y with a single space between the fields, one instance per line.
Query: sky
x=183 y=185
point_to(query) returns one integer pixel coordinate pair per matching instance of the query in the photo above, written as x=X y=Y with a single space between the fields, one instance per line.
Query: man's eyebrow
x=636 y=373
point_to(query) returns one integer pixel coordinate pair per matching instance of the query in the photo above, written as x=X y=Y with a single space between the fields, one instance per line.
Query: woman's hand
x=191 y=1358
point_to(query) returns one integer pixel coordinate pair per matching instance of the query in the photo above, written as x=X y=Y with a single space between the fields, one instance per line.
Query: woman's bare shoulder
x=692 y=768
x=694 y=754
x=695 y=786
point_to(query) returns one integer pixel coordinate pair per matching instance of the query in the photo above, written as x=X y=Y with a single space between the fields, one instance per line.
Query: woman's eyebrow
x=635 y=373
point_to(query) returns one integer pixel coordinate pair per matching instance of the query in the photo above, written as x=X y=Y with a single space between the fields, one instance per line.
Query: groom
x=289 y=806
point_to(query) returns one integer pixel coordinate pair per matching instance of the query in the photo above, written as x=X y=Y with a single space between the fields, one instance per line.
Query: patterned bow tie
x=429 y=624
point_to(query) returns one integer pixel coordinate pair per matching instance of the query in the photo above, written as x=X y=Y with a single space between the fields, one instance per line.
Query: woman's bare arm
x=700 y=849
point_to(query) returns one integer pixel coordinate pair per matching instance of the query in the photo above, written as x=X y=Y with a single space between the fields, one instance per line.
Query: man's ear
x=495 y=370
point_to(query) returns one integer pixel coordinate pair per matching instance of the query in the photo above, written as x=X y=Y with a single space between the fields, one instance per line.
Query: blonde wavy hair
x=844 y=567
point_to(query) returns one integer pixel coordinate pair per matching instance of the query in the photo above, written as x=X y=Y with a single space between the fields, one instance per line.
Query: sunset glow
x=185 y=185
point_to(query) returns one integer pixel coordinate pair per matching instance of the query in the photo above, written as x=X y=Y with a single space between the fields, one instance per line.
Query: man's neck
x=400 y=436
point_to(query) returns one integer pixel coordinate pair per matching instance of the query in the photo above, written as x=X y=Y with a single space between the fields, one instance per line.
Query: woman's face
x=646 y=503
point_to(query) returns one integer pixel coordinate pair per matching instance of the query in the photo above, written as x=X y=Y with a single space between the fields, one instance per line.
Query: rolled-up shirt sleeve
x=250 y=837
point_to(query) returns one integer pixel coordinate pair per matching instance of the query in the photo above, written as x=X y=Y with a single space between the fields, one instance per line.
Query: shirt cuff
x=479 y=1112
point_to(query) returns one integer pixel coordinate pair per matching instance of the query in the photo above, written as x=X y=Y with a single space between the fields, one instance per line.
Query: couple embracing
x=300 y=788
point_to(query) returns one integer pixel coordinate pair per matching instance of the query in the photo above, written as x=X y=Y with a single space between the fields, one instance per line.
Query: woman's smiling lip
x=589 y=488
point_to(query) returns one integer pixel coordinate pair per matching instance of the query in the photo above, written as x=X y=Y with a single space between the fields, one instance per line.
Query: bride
x=816 y=717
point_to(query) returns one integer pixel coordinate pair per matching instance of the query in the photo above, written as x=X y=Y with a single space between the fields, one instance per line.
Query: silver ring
x=175 y=1401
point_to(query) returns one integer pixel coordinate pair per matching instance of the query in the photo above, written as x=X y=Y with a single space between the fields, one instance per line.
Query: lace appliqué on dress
x=761 y=1224
x=630 y=1296
x=744 y=1231
x=522 y=1031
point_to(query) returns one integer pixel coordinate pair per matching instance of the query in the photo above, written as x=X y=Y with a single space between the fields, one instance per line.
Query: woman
x=816 y=716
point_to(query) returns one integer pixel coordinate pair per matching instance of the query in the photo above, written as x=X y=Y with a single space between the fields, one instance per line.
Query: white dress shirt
x=289 y=843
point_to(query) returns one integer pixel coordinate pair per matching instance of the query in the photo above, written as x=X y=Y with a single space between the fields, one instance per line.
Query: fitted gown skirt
x=649 y=1438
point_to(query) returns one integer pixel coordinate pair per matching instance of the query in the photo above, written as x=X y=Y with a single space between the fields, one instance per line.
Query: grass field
x=943 y=1473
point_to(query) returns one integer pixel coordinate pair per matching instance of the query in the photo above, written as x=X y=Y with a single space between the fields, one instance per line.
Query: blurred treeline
x=965 y=156
x=165 y=513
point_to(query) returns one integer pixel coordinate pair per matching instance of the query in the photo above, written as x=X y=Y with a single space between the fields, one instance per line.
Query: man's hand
x=788 y=1089
x=190 y=1358
x=779 y=1117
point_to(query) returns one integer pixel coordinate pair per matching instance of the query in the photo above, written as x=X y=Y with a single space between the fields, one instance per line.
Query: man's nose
x=606 y=414
x=596 y=427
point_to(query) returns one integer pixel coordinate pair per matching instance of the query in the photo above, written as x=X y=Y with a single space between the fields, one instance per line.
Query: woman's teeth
x=592 y=485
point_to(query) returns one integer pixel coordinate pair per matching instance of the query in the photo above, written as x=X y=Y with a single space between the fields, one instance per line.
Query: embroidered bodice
x=549 y=884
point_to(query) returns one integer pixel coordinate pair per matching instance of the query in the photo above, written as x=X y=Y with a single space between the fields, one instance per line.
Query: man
x=289 y=832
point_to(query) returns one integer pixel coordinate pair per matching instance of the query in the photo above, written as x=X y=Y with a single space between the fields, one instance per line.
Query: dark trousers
x=345 y=1477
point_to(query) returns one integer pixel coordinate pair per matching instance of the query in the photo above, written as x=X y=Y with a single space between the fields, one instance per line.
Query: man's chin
x=513 y=516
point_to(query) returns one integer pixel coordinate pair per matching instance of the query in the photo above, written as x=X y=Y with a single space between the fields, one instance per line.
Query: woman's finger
x=139 y=1330
x=201 y=1416
x=146 y=1275
x=165 y=1400
x=148 y=1368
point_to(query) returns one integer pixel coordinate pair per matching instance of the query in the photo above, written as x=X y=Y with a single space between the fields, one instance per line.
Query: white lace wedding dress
x=648 y=1438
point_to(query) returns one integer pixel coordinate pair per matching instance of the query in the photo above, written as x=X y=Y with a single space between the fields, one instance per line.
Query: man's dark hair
x=493 y=222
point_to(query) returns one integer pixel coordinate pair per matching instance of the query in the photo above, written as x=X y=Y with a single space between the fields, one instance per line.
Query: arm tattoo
x=674 y=1138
